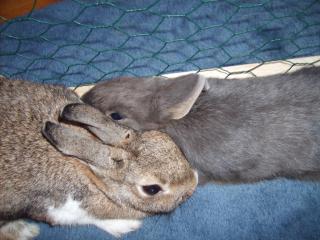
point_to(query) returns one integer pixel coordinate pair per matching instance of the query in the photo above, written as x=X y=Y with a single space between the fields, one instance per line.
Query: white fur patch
x=19 y=230
x=72 y=213
x=117 y=227
x=196 y=176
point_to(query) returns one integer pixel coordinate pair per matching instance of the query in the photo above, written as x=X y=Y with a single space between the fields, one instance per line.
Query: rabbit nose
x=187 y=195
x=190 y=192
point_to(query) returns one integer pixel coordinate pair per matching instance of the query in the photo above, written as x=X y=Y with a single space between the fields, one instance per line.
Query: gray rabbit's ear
x=176 y=96
x=97 y=123
x=75 y=143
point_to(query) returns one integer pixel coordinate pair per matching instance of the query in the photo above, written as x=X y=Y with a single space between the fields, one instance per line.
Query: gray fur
x=238 y=130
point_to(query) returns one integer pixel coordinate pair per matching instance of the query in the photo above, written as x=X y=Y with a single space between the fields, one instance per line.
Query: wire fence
x=77 y=42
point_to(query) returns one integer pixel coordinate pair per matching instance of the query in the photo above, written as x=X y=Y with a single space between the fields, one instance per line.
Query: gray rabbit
x=236 y=130
x=75 y=177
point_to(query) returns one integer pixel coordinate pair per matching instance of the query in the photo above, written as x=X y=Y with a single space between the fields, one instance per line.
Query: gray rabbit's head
x=146 y=103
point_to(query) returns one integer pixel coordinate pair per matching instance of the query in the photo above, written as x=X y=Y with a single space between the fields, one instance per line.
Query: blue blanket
x=77 y=42
x=82 y=48
x=278 y=209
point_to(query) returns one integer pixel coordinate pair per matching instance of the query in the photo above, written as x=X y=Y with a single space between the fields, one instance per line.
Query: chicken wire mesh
x=77 y=42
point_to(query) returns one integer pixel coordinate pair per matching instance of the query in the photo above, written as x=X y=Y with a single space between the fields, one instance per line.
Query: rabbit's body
x=253 y=129
x=39 y=182
x=235 y=130
x=22 y=149
x=21 y=119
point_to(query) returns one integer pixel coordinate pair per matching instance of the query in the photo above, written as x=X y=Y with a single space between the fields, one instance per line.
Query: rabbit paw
x=19 y=230
x=72 y=213
x=118 y=227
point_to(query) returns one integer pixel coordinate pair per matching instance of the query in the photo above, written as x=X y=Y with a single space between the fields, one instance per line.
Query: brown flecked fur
x=34 y=175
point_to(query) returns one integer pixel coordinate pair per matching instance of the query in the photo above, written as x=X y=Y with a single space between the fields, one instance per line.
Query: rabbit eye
x=151 y=189
x=116 y=116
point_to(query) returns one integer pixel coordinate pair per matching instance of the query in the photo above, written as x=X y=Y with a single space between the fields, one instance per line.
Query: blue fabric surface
x=103 y=40
x=279 y=209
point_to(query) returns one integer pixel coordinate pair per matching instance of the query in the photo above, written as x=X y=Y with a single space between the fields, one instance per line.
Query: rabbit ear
x=177 y=96
x=75 y=143
x=97 y=123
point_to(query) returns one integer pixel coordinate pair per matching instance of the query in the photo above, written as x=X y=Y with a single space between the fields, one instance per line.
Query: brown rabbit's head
x=158 y=177
x=145 y=171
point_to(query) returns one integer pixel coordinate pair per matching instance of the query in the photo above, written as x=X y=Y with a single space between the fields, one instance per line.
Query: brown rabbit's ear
x=176 y=96
x=97 y=123
x=71 y=142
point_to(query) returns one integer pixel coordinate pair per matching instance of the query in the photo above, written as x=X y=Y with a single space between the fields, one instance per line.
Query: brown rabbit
x=86 y=181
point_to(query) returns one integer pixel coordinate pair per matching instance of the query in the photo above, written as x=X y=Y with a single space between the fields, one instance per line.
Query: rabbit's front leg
x=18 y=230
x=71 y=212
